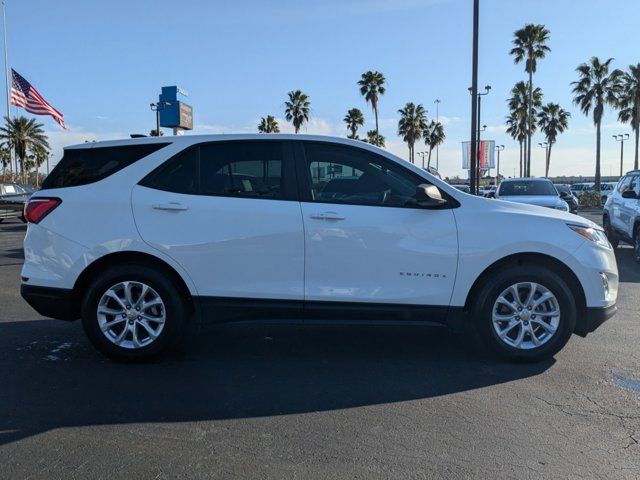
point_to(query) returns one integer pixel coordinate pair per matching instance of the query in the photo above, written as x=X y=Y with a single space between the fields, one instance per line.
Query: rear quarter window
x=81 y=166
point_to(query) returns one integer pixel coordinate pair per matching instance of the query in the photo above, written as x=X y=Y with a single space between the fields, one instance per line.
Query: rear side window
x=232 y=169
x=81 y=166
x=178 y=175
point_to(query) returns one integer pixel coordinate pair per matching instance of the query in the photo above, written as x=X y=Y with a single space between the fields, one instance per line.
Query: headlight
x=590 y=233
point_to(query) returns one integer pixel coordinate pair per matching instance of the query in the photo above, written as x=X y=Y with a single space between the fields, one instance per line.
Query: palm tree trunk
x=524 y=160
x=375 y=112
x=546 y=171
x=529 y=122
x=597 y=176
x=429 y=161
x=635 y=162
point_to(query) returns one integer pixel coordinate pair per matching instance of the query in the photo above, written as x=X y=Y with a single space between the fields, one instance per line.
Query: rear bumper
x=51 y=302
x=593 y=317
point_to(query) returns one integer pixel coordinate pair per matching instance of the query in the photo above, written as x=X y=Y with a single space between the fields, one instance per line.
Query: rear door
x=228 y=213
x=366 y=240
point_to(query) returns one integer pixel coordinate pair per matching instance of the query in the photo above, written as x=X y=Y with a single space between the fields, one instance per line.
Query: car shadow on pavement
x=52 y=378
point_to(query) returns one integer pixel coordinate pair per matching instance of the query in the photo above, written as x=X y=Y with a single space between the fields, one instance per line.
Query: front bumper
x=51 y=302
x=593 y=317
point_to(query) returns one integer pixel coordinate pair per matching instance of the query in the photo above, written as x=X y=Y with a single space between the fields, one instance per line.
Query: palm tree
x=371 y=87
x=433 y=136
x=552 y=119
x=413 y=120
x=529 y=44
x=5 y=158
x=519 y=106
x=268 y=125
x=375 y=138
x=629 y=104
x=517 y=128
x=23 y=134
x=595 y=88
x=36 y=157
x=297 y=109
x=353 y=119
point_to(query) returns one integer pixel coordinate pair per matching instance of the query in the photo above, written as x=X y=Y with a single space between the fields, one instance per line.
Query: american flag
x=24 y=95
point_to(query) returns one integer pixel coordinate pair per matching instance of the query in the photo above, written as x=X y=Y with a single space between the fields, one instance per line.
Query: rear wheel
x=611 y=236
x=524 y=314
x=133 y=312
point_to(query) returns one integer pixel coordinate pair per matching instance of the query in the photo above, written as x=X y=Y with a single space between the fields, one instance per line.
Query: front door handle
x=172 y=207
x=327 y=216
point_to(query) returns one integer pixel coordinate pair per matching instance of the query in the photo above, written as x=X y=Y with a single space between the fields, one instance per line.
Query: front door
x=366 y=239
x=227 y=213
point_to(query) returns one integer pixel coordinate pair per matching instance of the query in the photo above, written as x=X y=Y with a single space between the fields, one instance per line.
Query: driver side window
x=347 y=175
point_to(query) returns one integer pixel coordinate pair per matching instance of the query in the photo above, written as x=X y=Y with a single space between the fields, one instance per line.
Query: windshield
x=527 y=187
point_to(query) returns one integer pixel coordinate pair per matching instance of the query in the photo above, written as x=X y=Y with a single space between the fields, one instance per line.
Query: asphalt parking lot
x=314 y=402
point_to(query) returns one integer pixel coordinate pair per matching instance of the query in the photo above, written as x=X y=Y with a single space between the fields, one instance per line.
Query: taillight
x=38 y=208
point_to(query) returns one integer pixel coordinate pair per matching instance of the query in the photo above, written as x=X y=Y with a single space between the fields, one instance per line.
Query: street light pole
x=623 y=137
x=422 y=155
x=437 y=102
x=476 y=171
x=544 y=145
x=499 y=148
x=474 y=104
x=156 y=107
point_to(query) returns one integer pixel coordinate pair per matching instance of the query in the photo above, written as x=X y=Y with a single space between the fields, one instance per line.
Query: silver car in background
x=533 y=191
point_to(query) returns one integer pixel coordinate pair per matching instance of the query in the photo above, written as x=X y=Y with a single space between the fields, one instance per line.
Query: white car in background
x=138 y=237
x=533 y=191
x=606 y=189
x=578 y=188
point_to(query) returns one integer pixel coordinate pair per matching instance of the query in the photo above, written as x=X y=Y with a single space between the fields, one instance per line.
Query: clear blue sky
x=102 y=63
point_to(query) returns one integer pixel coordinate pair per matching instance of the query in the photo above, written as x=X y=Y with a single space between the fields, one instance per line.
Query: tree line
x=597 y=85
x=413 y=124
x=30 y=145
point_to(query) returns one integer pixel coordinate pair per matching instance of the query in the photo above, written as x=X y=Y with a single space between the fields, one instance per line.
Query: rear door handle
x=172 y=207
x=327 y=216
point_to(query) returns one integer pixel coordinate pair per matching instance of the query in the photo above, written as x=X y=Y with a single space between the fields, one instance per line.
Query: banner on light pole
x=486 y=155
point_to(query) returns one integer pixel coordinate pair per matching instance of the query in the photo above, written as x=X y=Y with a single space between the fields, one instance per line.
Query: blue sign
x=174 y=112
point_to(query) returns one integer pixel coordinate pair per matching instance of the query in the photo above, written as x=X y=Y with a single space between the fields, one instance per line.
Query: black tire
x=611 y=236
x=176 y=312
x=636 y=245
x=482 y=311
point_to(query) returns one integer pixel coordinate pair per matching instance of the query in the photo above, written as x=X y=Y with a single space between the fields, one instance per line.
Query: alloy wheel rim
x=131 y=314
x=526 y=315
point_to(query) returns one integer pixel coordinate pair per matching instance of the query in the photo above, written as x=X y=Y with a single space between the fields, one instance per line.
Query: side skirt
x=269 y=311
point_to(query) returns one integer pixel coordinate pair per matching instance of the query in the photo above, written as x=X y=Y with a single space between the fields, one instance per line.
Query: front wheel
x=133 y=312
x=525 y=314
x=636 y=246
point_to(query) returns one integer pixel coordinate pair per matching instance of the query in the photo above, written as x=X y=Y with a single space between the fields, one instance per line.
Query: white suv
x=138 y=237
x=621 y=214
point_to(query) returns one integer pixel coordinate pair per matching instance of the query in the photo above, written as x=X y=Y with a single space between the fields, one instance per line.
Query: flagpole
x=6 y=77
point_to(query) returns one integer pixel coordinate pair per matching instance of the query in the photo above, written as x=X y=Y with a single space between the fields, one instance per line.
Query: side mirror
x=429 y=196
x=629 y=194
x=491 y=195
x=564 y=195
